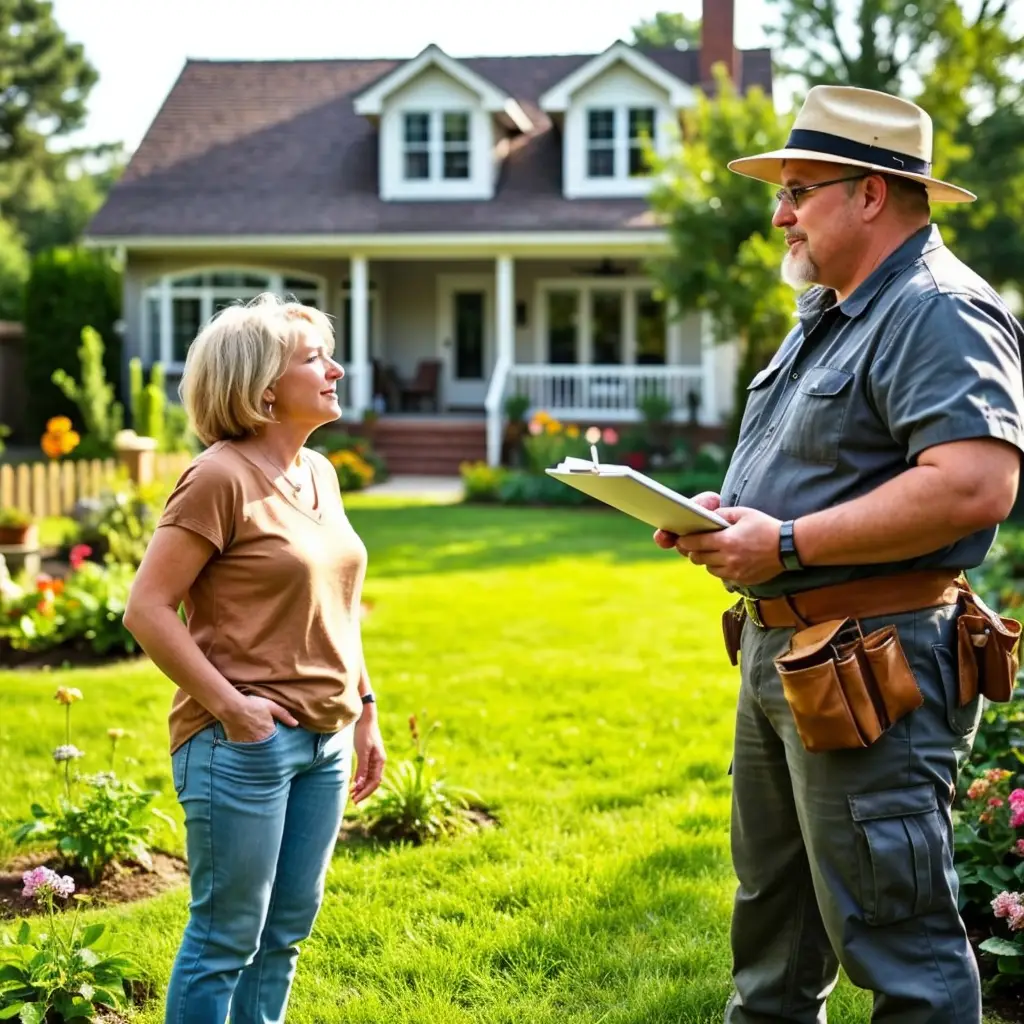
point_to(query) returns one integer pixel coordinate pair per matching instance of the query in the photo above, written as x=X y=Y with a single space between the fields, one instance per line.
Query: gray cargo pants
x=846 y=857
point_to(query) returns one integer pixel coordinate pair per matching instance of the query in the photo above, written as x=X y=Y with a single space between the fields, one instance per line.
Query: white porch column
x=359 y=292
x=505 y=309
x=505 y=354
x=709 y=384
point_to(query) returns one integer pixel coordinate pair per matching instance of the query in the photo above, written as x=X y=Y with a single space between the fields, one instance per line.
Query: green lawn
x=584 y=693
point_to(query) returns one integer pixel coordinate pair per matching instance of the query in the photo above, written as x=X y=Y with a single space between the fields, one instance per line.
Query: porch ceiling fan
x=606 y=268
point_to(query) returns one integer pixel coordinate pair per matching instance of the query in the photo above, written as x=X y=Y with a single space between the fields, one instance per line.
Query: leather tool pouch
x=732 y=629
x=846 y=689
x=988 y=651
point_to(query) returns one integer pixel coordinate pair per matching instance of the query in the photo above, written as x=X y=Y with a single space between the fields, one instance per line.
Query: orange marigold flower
x=58 y=425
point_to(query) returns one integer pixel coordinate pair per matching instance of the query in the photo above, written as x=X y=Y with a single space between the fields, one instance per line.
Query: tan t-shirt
x=276 y=609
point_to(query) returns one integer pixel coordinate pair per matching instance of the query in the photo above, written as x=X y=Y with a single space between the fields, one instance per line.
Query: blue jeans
x=256 y=814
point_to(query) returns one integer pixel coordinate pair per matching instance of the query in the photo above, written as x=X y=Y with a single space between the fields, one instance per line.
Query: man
x=878 y=452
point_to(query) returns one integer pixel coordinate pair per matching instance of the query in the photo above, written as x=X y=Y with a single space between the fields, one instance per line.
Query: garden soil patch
x=127 y=884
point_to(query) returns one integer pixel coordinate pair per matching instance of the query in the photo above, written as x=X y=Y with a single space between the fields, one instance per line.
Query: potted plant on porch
x=18 y=529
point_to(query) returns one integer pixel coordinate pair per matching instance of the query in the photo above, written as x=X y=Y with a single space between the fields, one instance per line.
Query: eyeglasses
x=792 y=195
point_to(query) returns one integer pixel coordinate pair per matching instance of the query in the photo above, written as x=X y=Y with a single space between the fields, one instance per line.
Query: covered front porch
x=582 y=337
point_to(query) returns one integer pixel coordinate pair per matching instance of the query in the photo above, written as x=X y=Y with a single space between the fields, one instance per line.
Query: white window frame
x=436 y=147
x=163 y=291
x=629 y=286
x=621 y=143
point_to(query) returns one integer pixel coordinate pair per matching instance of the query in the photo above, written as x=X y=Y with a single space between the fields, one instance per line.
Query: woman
x=273 y=692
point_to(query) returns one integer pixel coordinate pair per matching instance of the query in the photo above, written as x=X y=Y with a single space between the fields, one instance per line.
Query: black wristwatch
x=787 y=548
x=368 y=698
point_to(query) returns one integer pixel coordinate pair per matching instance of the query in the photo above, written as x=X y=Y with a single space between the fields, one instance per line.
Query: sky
x=139 y=46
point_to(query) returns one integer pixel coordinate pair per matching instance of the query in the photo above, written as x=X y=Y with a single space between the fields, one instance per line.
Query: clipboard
x=637 y=495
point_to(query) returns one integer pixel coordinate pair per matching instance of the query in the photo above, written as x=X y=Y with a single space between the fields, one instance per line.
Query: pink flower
x=1005 y=904
x=42 y=881
x=996 y=802
x=1017 y=817
x=1016 y=797
x=997 y=774
x=1018 y=847
x=609 y=436
x=78 y=554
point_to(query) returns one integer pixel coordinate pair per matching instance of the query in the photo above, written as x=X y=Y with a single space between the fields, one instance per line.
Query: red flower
x=79 y=553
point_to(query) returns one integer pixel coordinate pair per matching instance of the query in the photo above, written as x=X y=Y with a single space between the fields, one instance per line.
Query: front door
x=466 y=336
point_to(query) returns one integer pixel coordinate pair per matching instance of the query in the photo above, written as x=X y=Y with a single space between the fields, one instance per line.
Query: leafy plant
x=516 y=406
x=66 y=971
x=112 y=823
x=14 y=517
x=5 y=431
x=85 y=608
x=102 y=415
x=415 y=802
x=480 y=481
x=354 y=459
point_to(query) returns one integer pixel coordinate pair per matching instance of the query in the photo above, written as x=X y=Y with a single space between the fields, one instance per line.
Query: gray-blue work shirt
x=922 y=353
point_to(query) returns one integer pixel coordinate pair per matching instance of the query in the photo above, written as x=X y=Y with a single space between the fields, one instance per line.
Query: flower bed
x=548 y=441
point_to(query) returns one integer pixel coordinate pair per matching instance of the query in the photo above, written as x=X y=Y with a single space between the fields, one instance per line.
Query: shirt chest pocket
x=813 y=423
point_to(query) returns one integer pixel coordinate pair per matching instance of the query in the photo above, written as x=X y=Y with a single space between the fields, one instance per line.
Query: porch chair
x=425 y=385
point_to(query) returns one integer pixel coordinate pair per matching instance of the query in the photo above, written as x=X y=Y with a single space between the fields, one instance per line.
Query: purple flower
x=42 y=881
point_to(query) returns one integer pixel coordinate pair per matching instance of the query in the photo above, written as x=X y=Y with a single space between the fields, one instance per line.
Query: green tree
x=14 y=264
x=962 y=66
x=45 y=80
x=725 y=255
x=668 y=29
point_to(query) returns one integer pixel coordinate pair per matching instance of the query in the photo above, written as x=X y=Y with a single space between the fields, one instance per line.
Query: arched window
x=177 y=306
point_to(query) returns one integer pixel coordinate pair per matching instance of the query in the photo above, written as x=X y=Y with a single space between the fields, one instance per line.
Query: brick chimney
x=718 y=35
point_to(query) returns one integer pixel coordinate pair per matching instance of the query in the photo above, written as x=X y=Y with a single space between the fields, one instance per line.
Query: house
x=477 y=227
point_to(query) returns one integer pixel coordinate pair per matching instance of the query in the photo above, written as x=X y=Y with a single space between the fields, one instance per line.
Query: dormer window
x=437 y=145
x=616 y=139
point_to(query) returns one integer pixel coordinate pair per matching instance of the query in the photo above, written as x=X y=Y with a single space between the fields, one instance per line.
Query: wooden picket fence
x=52 y=488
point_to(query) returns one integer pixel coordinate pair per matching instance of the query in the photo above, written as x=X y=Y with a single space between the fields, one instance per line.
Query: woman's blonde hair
x=237 y=355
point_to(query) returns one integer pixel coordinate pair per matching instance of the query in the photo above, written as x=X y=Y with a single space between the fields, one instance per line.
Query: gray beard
x=799 y=271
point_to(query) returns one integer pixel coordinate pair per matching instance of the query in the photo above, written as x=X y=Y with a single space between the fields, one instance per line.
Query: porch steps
x=429 y=447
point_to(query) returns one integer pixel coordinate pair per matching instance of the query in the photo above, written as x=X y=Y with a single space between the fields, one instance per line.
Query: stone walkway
x=448 y=488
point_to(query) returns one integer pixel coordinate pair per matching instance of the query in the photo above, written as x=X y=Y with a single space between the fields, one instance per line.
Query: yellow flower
x=67 y=695
x=572 y=431
x=115 y=734
x=553 y=427
x=58 y=425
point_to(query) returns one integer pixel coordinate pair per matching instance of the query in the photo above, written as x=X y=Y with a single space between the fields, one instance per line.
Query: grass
x=583 y=691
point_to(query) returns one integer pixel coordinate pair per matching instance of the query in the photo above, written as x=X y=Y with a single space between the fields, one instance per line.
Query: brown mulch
x=124 y=884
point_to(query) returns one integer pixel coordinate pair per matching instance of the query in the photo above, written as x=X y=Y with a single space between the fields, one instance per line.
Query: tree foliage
x=725 y=254
x=667 y=30
x=961 y=62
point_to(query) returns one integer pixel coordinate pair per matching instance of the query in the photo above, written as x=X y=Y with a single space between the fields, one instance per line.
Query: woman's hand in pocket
x=252 y=720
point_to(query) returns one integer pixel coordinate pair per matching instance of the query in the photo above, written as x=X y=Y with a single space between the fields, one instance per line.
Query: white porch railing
x=590 y=393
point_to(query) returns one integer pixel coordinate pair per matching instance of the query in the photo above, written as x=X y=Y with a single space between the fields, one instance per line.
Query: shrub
x=353 y=458
x=415 y=802
x=548 y=442
x=64 y=970
x=67 y=289
x=481 y=482
x=102 y=416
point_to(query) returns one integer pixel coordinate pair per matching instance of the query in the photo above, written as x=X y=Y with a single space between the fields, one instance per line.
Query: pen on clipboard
x=593 y=456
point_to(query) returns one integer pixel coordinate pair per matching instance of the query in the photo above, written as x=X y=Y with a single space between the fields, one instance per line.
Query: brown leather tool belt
x=858 y=599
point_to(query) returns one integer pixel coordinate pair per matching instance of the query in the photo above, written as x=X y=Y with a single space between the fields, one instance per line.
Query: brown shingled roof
x=275 y=147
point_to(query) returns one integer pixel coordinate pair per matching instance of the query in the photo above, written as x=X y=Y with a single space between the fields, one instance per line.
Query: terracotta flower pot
x=26 y=536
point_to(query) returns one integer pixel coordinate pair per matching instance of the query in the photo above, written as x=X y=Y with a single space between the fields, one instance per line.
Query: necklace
x=296 y=487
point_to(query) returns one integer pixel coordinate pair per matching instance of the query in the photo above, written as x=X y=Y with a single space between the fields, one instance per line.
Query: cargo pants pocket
x=902 y=852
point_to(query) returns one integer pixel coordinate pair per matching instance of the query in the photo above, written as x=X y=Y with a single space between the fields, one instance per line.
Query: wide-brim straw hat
x=862 y=128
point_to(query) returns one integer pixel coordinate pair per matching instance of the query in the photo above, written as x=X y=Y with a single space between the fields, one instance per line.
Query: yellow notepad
x=637 y=495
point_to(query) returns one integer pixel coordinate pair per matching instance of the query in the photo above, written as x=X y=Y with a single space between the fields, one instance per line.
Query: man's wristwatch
x=787 y=548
